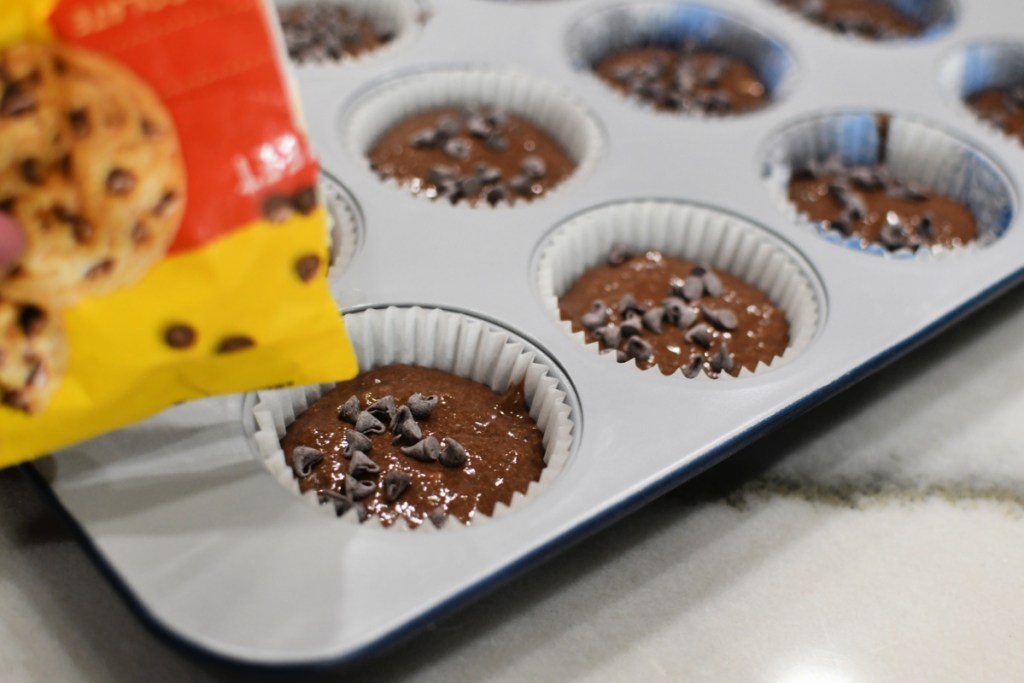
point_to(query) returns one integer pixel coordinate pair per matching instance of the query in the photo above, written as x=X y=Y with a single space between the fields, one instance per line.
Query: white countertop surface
x=878 y=538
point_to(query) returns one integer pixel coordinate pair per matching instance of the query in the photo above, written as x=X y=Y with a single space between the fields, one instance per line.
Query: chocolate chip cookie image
x=33 y=356
x=91 y=166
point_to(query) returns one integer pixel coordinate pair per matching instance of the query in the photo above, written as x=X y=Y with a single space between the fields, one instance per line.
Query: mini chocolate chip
x=235 y=343
x=396 y=483
x=722 y=318
x=843 y=225
x=368 y=424
x=440 y=174
x=521 y=184
x=31 y=320
x=425 y=450
x=16 y=399
x=699 y=334
x=907 y=191
x=304 y=459
x=639 y=348
x=422 y=406
x=79 y=120
x=120 y=181
x=307 y=267
x=359 y=489
x=276 y=208
x=864 y=177
x=619 y=254
x=458 y=149
x=712 y=284
x=384 y=409
x=609 y=335
x=448 y=127
x=453 y=454
x=678 y=312
x=148 y=127
x=693 y=366
x=621 y=356
x=17 y=101
x=652 y=319
x=305 y=200
x=170 y=198
x=407 y=431
x=926 y=227
x=32 y=171
x=893 y=236
x=349 y=410
x=714 y=71
x=397 y=417
x=342 y=503
x=855 y=207
x=423 y=139
x=356 y=441
x=470 y=186
x=632 y=326
x=101 y=269
x=533 y=167
x=361 y=466
x=693 y=287
x=180 y=336
x=596 y=317
x=487 y=174
x=438 y=516
x=628 y=305
x=478 y=127
x=722 y=360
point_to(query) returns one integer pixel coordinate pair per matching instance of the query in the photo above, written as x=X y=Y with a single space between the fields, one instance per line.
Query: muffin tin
x=208 y=544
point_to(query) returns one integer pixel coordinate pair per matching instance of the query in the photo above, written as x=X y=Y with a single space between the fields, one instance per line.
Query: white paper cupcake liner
x=694 y=233
x=538 y=101
x=915 y=152
x=672 y=24
x=403 y=18
x=344 y=222
x=935 y=17
x=443 y=340
x=981 y=66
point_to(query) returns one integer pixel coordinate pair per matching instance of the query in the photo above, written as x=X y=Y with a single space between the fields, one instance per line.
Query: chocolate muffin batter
x=471 y=155
x=327 y=32
x=668 y=312
x=871 y=19
x=502 y=450
x=684 y=79
x=868 y=202
x=1003 y=107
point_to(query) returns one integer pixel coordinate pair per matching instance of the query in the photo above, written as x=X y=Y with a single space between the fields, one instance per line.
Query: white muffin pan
x=214 y=551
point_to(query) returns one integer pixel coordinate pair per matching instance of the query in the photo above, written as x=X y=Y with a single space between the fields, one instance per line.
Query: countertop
x=879 y=537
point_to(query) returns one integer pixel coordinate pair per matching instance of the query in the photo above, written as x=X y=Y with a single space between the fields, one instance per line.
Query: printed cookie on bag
x=175 y=240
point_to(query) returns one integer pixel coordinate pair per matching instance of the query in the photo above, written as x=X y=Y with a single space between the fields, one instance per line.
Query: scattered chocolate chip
x=235 y=343
x=304 y=459
x=723 y=360
x=596 y=316
x=629 y=306
x=609 y=335
x=358 y=489
x=693 y=366
x=619 y=254
x=180 y=336
x=368 y=424
x=521 y=184
x=384 y=409
x=678 y=312
x=639 y=348
x=487 y=174
x=438 y=516
x=699 y=334
x=356 y=441
x=722 y=318
x=621 y=356
x=422 y=406
x=425 y=450
x=396 y=483
x=276 y=208
x=79 y=121
x=496 y=194
x=469 y=186
x=349 y=410
x=533 y=167
x=168 y=201
x=458 y=149
x=712 y=284
x=632 y=326
x=307 y=267
x=120 y=181
x=906 y=191
x=17 y=101
x=149 y=128
x=407 y=431
x=439 y=174
x=32 y=171
x=101 y=269
x=423 y=139
x=305 y=201
x=693 y=287
x=447 y=128
x=31 y=320
x=16 y=399
x=342 y=503
x=478 y=126
x=653 y=318
x=453 y=454
x=361 y=466
x=496 y=142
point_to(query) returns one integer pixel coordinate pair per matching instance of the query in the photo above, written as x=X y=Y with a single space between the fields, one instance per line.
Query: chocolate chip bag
x=176 y=244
